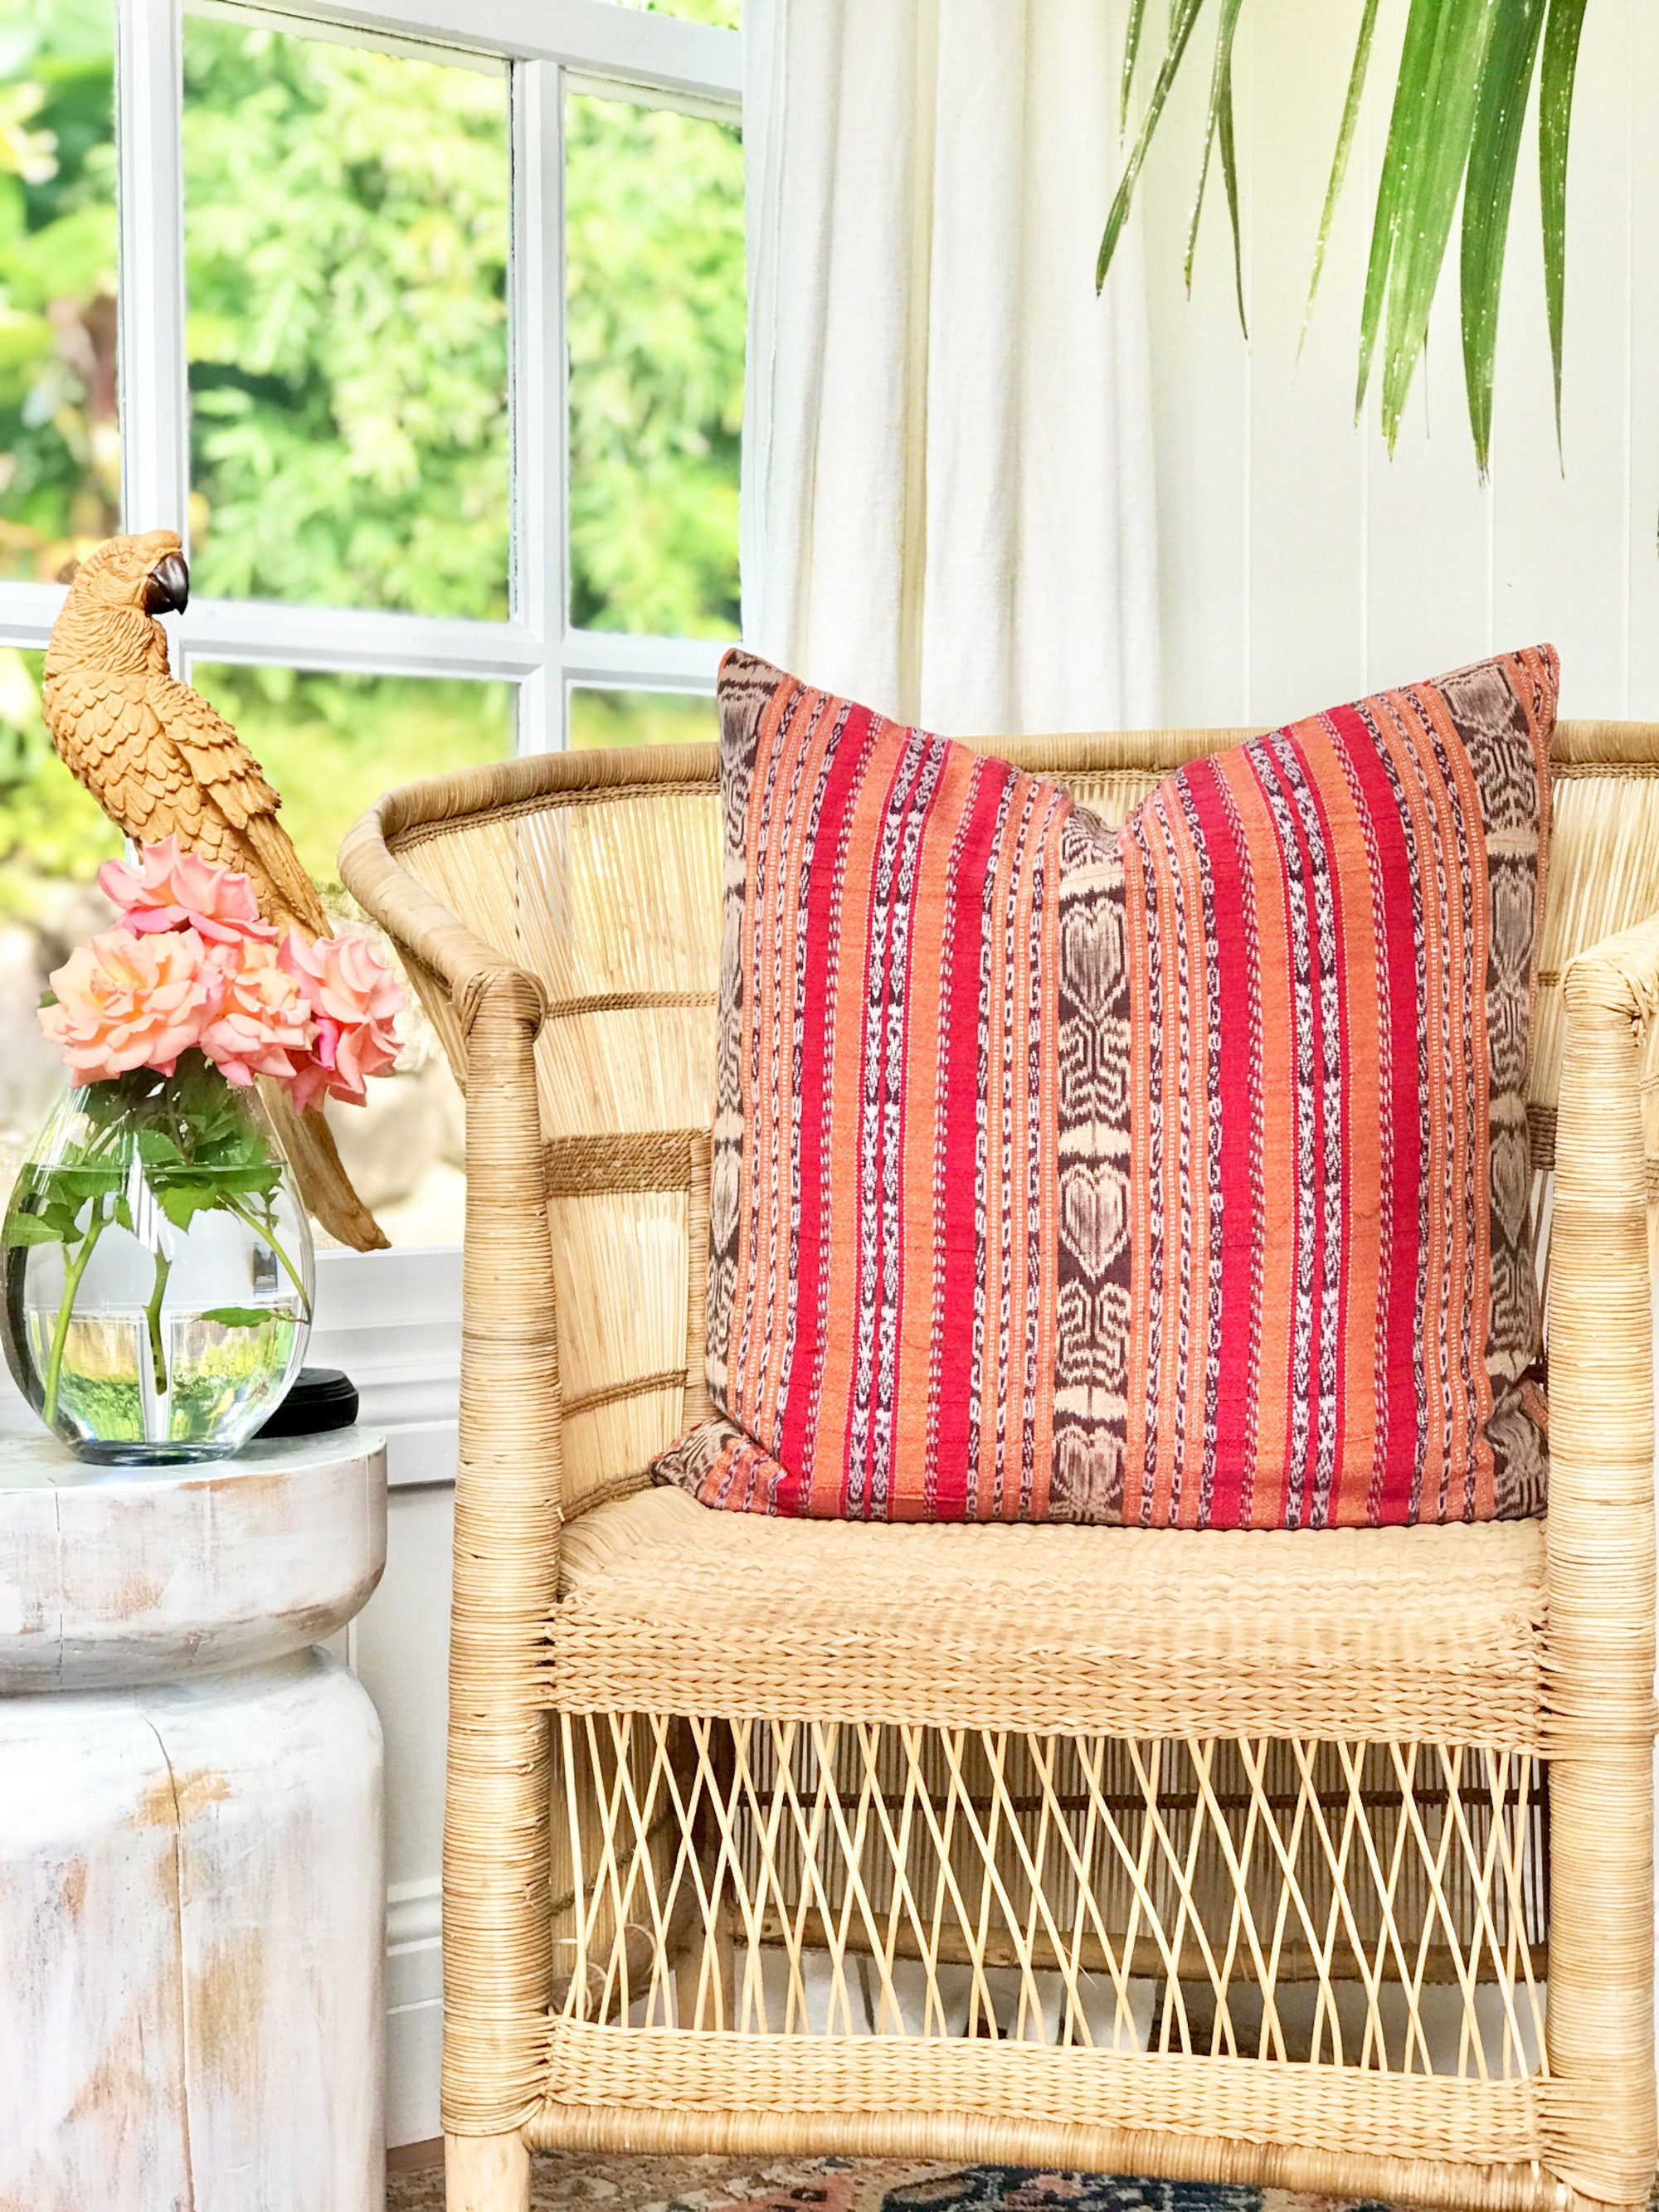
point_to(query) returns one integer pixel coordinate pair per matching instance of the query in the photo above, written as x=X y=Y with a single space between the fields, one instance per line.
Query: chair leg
x=486 y=2173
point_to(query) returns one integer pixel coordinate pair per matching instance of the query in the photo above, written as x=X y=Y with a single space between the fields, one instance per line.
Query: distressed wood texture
x=191 y=1879
x=113 y=1577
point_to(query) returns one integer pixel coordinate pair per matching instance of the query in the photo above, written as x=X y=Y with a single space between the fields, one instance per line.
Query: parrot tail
x=324 y=1183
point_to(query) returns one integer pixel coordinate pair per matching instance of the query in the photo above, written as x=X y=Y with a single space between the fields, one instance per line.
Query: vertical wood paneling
x=1306 y=580
x=1428 y=520
x=1300 y=564
x=1560 y=535
x=402 y=1660
x=1641 y=520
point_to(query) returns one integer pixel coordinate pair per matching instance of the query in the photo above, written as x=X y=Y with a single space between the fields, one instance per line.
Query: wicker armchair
x=1323 y=1860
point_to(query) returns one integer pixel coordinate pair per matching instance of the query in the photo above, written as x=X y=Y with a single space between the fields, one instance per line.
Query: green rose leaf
x=30 y=1229
x=240 y=1316
x=181 y=1202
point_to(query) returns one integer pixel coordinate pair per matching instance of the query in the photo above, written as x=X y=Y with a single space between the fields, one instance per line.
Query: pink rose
x=354 y=1003
x=263 y=1021
x=171 y=889
x=126 y=1002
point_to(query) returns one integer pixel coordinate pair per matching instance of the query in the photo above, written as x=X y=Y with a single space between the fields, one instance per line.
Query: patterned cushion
x=1174 y=1175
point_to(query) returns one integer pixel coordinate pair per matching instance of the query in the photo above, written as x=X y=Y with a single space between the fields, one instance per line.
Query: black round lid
x=321 y=1398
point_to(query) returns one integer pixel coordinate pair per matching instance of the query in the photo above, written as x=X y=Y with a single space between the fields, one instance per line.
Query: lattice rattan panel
x=1375 y=1906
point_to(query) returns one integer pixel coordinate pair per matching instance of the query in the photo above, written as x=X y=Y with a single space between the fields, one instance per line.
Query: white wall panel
x=1300 y=564
x=392 y=1320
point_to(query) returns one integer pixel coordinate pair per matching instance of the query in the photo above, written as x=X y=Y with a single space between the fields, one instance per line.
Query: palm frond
x=1362 y=55
x=1230 y=179
x=1184 y=14
x=1131 y=52
x=1430 y=134
x=1566 y=20
x=1455 y=128
x=1218 y=121
x=1488 y=188
x=1410 y=100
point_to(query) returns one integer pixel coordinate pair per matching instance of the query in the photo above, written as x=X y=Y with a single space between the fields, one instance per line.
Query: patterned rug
x=570 y=2178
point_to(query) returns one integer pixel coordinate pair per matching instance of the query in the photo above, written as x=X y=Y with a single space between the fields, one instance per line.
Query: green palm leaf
x=1229 y=177
x=1437 y=126
x=1218 y=121
x=1183 y=15
x=1362 y=55
x=1488 y=190
x=1411 y=94
x=1454 y=126
x=1131 y=51
x=1566 y=20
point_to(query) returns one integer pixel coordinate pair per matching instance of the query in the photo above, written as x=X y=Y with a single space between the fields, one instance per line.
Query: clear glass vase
x=158 y=1268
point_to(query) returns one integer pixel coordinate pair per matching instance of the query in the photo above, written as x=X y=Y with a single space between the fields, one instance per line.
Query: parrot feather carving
x=159 y=761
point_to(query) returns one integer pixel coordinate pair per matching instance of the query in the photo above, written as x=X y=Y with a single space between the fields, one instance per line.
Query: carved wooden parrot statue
x=159 y=761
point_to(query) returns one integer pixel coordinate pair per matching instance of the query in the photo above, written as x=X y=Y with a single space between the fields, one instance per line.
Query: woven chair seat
x=1419 y=1634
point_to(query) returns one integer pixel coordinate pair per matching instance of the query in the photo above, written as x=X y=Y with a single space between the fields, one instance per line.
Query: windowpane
x=331 y=745
x=53 y=836
x=60 y=461
x=641 y=717
x=725 y=14
x=345 y=237
x=653 y=246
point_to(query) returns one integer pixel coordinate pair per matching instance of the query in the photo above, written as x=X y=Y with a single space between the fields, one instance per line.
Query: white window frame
x=602 y=44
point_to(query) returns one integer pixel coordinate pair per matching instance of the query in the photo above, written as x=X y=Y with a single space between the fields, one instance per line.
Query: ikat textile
x=1175 y=1175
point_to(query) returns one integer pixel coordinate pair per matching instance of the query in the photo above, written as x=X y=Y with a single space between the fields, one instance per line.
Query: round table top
x=112 y=1575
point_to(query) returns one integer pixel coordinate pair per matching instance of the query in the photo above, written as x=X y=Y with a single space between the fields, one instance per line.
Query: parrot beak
x=167 y=590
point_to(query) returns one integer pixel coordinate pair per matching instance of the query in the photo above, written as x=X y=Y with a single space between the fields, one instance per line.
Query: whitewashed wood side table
x=192 y=1884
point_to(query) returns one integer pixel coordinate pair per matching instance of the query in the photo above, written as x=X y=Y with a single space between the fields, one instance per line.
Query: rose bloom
x=171 y=889
x=126 y=1002
x=263 y=1021
x=354 y=1002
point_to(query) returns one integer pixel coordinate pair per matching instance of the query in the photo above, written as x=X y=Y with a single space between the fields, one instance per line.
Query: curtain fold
x=948 y=498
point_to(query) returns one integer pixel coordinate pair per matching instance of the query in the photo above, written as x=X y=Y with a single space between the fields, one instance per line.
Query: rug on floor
x=572 y=2181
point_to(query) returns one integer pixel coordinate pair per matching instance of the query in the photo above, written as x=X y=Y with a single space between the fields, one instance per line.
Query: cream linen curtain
x=948 y=498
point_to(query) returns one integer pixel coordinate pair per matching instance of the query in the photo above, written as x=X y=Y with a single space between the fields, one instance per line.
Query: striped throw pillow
x=1174 y=1175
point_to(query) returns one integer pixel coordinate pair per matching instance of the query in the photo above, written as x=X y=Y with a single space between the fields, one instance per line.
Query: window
x=429 y=341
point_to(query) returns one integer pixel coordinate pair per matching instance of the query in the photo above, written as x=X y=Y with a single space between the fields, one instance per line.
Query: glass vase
x=158 y=1268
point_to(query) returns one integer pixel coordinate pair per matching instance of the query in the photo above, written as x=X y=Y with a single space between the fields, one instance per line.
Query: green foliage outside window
x=60 y=470
x=347 y=215
x=654 y=277
x=345 y=248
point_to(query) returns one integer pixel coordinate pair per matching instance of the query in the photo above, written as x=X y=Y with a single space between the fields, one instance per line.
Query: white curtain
x=948 y=507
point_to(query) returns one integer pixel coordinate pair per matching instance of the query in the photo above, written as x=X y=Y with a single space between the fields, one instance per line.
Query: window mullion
x=149 y=112
x=539 y=391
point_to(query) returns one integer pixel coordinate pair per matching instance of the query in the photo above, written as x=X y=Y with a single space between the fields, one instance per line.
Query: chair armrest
x=1598 y=1710
x=497 y=1929
x=1601 y=1351
x=421 y=925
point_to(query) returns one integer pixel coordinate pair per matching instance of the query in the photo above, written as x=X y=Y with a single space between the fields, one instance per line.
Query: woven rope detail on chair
x=628 y=1002
x=993 y=2138
x=634 y=1160
x=647 y=2072
x=1541 y=1132
x=614 y=1393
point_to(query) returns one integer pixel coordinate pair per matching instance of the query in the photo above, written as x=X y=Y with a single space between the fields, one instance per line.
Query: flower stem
x=72 y=1274
x=153 y=1321
x=263 y=1228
